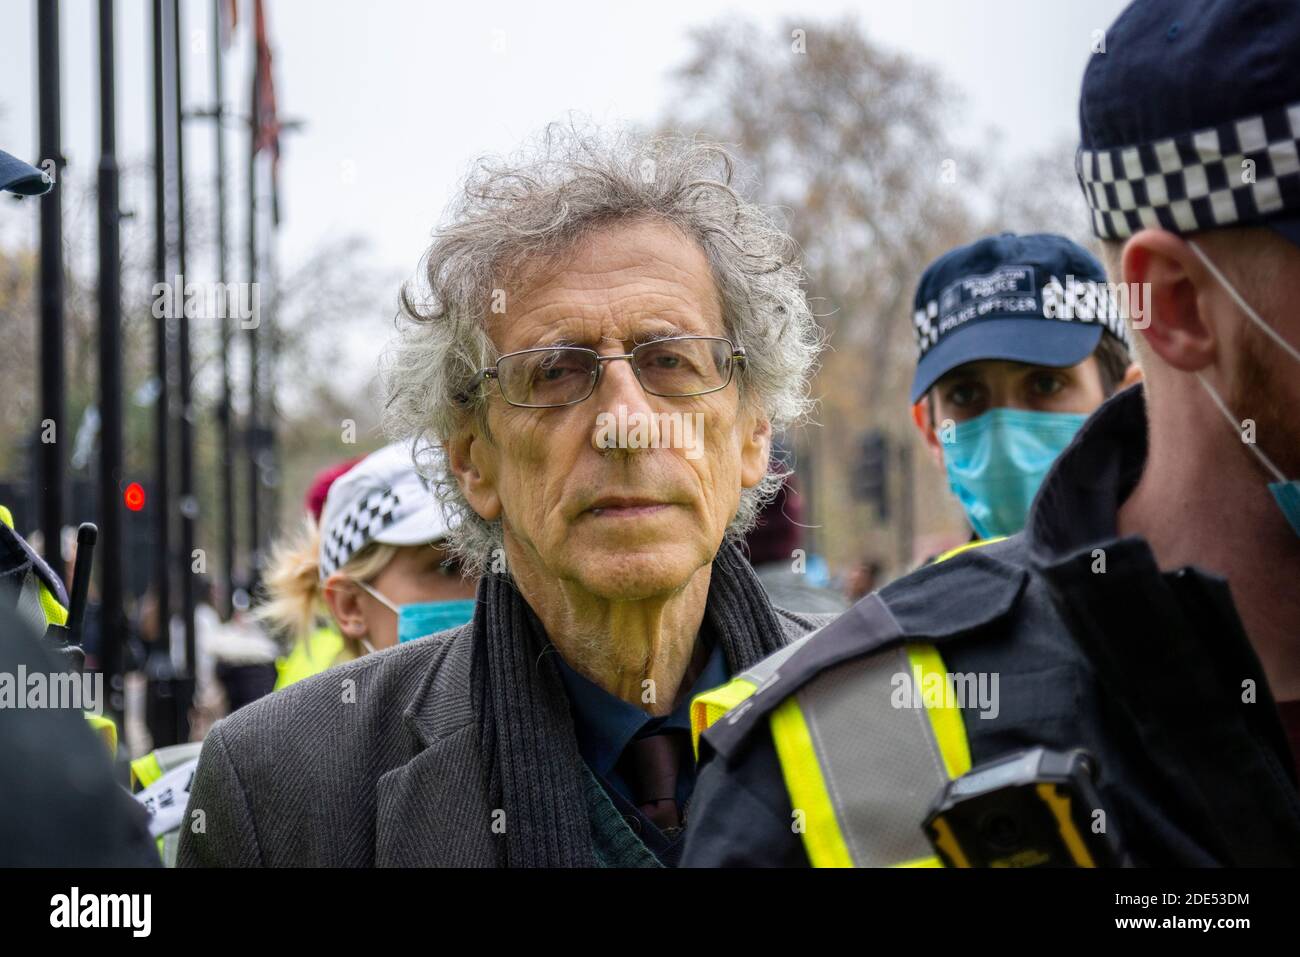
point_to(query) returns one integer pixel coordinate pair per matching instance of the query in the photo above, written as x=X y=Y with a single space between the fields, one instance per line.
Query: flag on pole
x=228 y=11
x=266 y=123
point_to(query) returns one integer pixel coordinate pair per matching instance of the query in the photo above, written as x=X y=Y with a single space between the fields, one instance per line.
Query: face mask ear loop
x=379 y=598
x=370 y=649
x=1243 y=304
x=1232 y=421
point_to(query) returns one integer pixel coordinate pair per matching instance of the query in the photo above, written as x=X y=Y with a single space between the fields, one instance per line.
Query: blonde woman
x=375 y=564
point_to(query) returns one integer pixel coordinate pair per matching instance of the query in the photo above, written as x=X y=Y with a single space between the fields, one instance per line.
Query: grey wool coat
x=373 y=763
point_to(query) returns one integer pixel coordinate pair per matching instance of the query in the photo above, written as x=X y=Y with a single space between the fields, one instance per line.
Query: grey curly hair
x=537 y=205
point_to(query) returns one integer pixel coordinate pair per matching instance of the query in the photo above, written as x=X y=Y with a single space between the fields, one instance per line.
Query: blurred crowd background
x=884 y=134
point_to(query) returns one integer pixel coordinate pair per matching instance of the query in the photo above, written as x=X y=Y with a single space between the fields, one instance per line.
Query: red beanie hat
x=320 y=485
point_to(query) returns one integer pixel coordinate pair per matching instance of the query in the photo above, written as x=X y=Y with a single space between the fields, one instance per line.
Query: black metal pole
x=53 y=399
x=189 y=506
x=110 y=374
x=228 y=536
x=253 y=435
x=907 y=508
x=162 y=412
x=270 y=454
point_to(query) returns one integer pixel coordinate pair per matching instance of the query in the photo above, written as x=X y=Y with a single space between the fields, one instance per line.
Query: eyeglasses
x=674 y=367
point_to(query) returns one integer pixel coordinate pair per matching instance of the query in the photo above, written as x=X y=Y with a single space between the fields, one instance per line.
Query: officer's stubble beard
x=1257 y=393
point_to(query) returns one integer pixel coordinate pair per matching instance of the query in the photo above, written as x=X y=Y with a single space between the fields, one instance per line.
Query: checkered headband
x=1240 y=173
x=359 y=525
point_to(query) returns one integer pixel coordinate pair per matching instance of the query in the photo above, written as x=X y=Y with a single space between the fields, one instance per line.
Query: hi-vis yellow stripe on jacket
x=36 y=603
x=864 y=747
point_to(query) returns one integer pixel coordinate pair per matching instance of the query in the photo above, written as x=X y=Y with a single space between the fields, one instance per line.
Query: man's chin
x=635 y=573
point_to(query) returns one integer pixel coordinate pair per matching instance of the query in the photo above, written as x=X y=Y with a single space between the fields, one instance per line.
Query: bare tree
x=851 y=141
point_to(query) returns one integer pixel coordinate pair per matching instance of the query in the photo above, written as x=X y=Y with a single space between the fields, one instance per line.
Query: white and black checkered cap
x=380 y=499
x=1242 y=173
x=1189 y=118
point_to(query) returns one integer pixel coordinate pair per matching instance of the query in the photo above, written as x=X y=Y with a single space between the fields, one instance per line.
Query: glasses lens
x=679 y=367
x=547 y=376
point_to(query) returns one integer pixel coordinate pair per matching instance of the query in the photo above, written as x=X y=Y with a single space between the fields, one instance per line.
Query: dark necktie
x=651 y=764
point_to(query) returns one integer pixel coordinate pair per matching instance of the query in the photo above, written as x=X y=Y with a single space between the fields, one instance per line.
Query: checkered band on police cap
x=1240 y=173
x=362 y=523
x=382 y=498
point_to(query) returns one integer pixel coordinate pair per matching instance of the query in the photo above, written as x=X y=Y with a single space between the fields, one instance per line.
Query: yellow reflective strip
x=822 y=838
x=945 y=718
x=146 y=770
x=55 y=614
x=1060 y=807
x=105 y=728
x=6 y=516
x=922 y=862
x=969 y=545
x=947 y=841
x=709 y=706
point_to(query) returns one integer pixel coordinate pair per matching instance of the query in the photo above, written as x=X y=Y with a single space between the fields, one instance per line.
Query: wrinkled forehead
x=623 y=283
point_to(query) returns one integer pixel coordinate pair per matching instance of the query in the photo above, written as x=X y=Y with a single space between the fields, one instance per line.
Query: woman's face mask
x=420 y=619
x=996 y=462
x=1286 y=492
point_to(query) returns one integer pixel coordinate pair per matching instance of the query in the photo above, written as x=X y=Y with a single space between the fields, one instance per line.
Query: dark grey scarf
x=536 y=775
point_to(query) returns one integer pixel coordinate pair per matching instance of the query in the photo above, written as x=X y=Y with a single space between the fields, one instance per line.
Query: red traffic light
x=134 y=496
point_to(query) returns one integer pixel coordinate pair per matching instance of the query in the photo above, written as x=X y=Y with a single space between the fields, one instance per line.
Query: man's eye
x=664 y=357
x=551 y=371
x=1044 y=385
x=963 y=395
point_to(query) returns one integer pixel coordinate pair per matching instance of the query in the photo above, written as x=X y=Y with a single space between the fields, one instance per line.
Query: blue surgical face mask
x=424 y=618
x=1286 y=492
x=997 y=461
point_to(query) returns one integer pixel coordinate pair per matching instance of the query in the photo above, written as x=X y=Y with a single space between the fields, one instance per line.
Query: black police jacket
x=1094 y=647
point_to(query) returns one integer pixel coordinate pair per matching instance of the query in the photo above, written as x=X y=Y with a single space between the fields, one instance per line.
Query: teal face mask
x=428 y=617
x=997 y=461
x=424 y=618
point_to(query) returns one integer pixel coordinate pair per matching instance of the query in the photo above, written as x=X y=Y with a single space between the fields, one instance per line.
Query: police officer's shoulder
x=939 y=603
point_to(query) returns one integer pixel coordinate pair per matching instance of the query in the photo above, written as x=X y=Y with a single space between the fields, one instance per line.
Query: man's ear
x=921 y=418
x=343 y=598
x=1174 y=325
x=1132 y=376
x=755 y=449
x=471 y=459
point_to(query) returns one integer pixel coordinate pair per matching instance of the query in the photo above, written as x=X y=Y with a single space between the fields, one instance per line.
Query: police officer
x=1148 y=612
x=67 y=812
x=1020 y=340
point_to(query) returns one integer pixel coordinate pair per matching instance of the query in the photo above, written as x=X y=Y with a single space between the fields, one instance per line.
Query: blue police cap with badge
x=1039 y=299
x=1190 y=119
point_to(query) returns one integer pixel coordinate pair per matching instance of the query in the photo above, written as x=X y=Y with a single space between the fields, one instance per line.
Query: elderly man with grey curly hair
x=604 y=340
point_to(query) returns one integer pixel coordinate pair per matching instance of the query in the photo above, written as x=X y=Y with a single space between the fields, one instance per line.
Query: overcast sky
x=399 y=95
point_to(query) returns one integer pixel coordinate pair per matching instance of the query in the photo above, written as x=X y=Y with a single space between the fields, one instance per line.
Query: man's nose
x=624 y=417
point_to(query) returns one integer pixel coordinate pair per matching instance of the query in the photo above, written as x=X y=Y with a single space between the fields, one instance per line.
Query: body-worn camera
x=1035 y=808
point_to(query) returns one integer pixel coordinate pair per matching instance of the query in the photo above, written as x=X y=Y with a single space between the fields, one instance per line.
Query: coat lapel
x=434 y=811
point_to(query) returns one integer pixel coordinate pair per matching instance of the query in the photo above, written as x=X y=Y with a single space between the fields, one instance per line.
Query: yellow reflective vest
x=322 y=649
x=864 y=747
